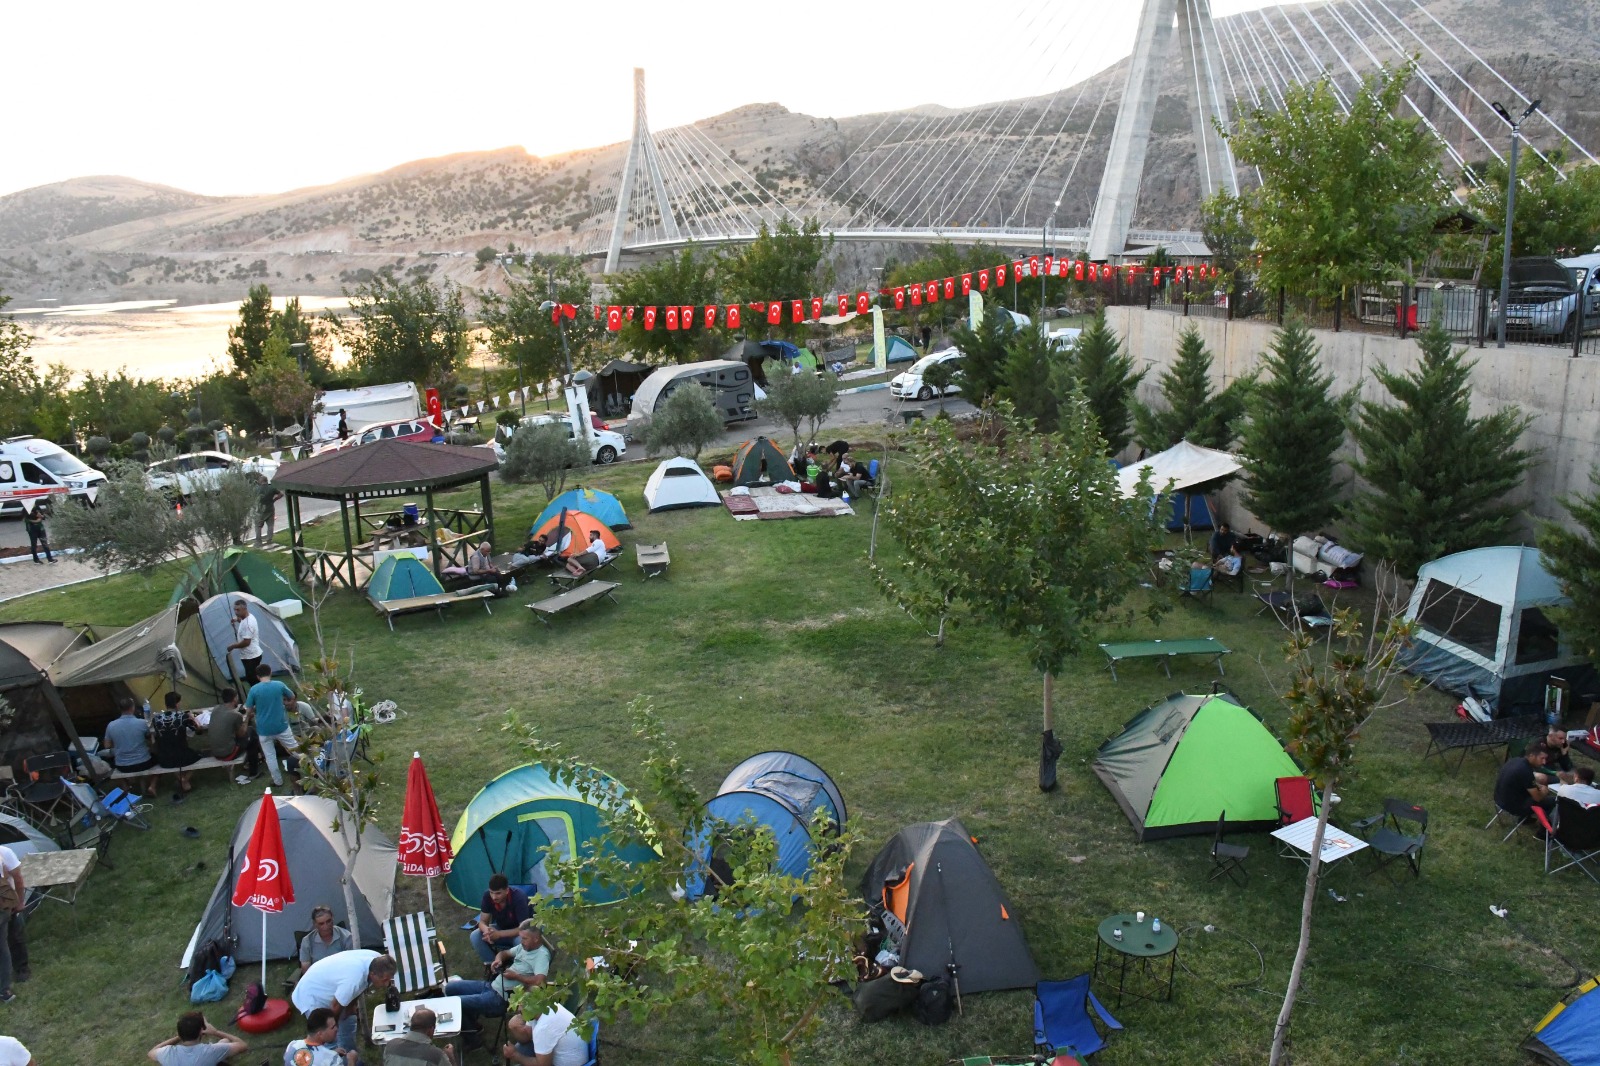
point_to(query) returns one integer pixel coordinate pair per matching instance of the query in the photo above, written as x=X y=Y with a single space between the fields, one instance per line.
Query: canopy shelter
x=1485 y=628
x=612 y=387
x=40 y=722
x=1194 y=473
x=236 y=570
x=596 y=502
x=1176 y=767
x=387 y=469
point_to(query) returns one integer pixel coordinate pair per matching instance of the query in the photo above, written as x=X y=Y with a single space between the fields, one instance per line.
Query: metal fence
x=1469 y=314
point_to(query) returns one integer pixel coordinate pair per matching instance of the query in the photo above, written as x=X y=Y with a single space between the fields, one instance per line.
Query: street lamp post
x=1511 y=207
x=1044 y=241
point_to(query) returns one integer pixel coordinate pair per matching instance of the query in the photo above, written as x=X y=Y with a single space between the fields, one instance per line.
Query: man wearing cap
x=524 y=966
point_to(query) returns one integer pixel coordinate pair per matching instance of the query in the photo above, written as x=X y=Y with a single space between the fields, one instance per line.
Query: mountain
x=117 y=238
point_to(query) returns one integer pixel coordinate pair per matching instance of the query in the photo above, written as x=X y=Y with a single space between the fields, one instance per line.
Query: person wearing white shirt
x=13 y=949
x=594 y=556
x=248 y=644
x=12 y=1053
x=337 y=982
x=549 y=1041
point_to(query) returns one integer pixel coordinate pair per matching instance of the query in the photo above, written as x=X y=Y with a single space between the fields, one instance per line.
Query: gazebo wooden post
x=349 y=552
x=488 y=510
x=355 y=502
x=433 y=531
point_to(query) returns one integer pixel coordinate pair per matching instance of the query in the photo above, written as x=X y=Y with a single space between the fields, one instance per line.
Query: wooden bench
x=390 y=608
x=594 y=590
x=1165 y=650
x=653 y=559
x=206 y=763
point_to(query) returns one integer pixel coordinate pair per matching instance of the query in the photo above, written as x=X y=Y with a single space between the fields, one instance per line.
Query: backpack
x=933 y=1001
x=255 y=1000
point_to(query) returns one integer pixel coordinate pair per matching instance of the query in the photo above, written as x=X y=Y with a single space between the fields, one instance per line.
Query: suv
x=605 y=445
x=1545 y=292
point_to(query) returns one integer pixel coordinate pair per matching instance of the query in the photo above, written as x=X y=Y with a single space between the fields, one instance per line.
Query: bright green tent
x=236 y=570
x=511 y=824
x=1178 y=765
x=400 y=577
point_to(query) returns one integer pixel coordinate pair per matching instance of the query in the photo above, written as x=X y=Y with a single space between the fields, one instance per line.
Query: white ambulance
x=34 y=469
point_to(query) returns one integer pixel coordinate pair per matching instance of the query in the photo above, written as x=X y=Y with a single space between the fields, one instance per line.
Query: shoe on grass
x=7 y=996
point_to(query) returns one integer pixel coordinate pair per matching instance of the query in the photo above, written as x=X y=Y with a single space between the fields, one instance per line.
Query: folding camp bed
x=653 y=559
x=564 y=579
x=545 y=609
x=1165 y=650
x=436 y=602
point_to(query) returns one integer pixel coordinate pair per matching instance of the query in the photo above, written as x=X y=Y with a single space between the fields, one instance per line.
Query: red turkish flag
x=1033 y=266
x=570 y=310
x=1188 y=273
x=1016 y=270
x=933 y=292
x=1202 y=272
x=843 y=303
x=983 y=281
x=1049 y=262
x=731 y=319
x=899 y=297
x=629 y=315
x=686 y=317
x=1000 y=276
x=264 y=878
x=1155 y=277
x=1077 y=269
x=1094 y=272
x=597 y=312
x=711 y=315
x=775 y=313
x=916 y=296
x=672 y=318
x=759 y=307
x=424 y=849
x=797 y=311
x=613 y=318
x=649 y=318
x=863 y=302
x=949 y=288
x=816 y=308
x=966 y=284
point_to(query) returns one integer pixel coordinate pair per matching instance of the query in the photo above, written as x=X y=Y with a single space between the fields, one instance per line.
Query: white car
x=909 y=385
x=195 y=472
x=605 y=446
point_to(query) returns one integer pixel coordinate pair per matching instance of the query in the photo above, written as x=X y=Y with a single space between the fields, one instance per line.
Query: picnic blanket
x=766 y=502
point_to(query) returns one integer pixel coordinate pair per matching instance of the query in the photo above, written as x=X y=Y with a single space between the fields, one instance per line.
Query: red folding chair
x=1295 y=800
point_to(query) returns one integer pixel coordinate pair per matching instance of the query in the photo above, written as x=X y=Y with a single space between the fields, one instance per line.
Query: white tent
x=679 y=482
x=278 y=646
x=362 y=407
x=1185 y=465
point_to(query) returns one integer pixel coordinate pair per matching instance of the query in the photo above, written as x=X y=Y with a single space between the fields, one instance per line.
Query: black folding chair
x=42 y=791
x=1399 y=831
x=1575 y=834
x=1228 y=858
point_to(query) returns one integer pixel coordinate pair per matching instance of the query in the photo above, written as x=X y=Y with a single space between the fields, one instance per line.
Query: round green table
x=1140 y=950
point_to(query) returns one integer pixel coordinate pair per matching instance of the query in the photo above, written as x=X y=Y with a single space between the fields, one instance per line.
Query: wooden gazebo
x=387 y=469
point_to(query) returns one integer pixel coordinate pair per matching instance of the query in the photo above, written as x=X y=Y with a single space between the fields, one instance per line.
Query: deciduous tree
x=684 y=423
x=797 y=398
x=525 y=337
x=542 y=453
x=782 y=264
x=405 y=331
x=1558 y=207
x=688 y=279
x=277 y=386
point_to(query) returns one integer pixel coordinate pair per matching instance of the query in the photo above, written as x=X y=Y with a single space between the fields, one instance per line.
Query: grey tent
x=613 y=385
x=165 y=652
x=942 y=904
x=278 y=648
x=317 y=854
x=40 y=722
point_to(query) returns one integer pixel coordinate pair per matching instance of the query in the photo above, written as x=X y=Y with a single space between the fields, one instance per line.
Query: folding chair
x=1500 y=811
x=1295 y=800
x=1575 y=834
x=1390 y=839
x=1228 y=858
x=1061 y=1019
x=42 y=790
x=414 y=945
x=104 y=813
x=1199 y=583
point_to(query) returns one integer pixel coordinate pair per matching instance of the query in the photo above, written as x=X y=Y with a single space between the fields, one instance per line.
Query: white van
x=909 y=385
x=31 y=468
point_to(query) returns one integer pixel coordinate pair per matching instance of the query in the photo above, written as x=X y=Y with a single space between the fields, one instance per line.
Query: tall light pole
x=1511 y=208
x=1044 y=241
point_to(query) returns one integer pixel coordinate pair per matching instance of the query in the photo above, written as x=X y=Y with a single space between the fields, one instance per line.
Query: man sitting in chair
x=1231 y=564
x=415 y=1046
x=592 y=557
x=549 y=1041
x=525 y=966
x=500 y=916
x=1520 y=786
x=325 y=938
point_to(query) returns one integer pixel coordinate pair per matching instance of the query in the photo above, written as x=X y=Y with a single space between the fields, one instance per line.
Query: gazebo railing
x=455 y=519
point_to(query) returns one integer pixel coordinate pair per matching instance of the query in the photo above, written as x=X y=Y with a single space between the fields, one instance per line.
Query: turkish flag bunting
x=933 y=292
x=672 y=318
x=1033 y=266
x=710 y=315
x=570 y=310
x=949 y=288
x=774 y=313
x=1188 y=273
x=264 y=878
x=1094 y=272
x=966 y=284
x=629 y=315
x=1155 y=277
x=863 y=302
x=816 y=308
x=1000 y=276
x=843 y=303
x=916 y=296
x=686 y=317
x=597 y=312
x=731 y=319
x=613 y=318
x=1016 y=270
x=983 y=281
x=649 y=318
x=1077 y=269
x=760 y=307
x=1202 y=272
x=797 y=311
x=899 y=297
x=1049 y=263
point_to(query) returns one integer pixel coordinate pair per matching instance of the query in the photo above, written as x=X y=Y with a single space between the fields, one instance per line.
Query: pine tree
x=1295 y=425
x=1032 y=361
x=1192 y=412
x=1573 y=558
x=1104 y=374
x=1435 y=476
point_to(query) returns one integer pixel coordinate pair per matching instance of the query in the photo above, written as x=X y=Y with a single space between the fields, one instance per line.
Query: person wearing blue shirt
x=268 y=706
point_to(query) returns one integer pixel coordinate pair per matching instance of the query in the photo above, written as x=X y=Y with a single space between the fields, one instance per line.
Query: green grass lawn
x=772 y=635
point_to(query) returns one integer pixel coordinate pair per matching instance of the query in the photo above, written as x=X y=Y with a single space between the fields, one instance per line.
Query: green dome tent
x=236 y=570
x=400 y=577
x=1177 y=766
x=513 y=820
x=758 y=461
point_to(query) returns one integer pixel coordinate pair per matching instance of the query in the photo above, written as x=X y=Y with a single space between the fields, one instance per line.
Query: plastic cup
x=1138 y=916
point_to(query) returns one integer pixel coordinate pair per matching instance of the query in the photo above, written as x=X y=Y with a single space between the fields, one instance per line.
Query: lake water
x=148 y=338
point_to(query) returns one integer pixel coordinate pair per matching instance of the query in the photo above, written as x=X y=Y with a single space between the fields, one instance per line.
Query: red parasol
x=424 y=842
x=264 y=880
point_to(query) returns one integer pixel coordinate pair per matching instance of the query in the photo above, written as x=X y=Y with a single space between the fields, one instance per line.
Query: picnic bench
x=207 y=763
x=1165 y=650
x=546 y=609
x=653 y=559
x=436 y=602
x=1467 y=735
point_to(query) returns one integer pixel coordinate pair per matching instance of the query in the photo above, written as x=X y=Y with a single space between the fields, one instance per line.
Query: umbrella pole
x=430 y=896
x=263 y=951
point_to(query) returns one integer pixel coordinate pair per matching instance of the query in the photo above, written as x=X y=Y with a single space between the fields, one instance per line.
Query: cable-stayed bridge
x=1068 y=169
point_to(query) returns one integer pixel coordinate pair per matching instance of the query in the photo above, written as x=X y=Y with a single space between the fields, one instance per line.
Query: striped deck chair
x=411 y=941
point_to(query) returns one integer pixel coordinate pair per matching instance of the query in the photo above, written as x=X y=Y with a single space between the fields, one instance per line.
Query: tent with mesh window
x=1484 y=629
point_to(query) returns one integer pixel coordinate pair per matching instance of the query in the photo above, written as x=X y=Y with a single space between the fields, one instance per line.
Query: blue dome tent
x=513 y=820
x=594 y=502
x=777 y=789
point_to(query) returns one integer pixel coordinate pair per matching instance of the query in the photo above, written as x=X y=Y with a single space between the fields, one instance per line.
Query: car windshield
x=62 y=464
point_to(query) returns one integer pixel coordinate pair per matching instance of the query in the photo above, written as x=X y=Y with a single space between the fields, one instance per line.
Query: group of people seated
x=1226 y=558
x=1528 y=780
x=830 y=472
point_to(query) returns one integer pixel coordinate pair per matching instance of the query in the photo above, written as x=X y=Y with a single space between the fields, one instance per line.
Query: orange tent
x=580 y=525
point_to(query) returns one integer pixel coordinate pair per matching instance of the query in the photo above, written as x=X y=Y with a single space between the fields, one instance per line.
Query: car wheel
x=925 y=393
x=1565 y=336
x=606 y=456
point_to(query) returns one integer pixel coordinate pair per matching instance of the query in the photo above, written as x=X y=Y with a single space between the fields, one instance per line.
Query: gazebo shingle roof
x=384 y=465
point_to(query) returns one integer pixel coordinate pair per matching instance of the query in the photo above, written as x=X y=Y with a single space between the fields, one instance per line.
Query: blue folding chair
x=1199 y=583
x=593 y=1044
x=1061 y=1019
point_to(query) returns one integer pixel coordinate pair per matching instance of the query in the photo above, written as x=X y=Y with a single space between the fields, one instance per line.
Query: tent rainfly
x=236 y=570
x=1566 y=1036
x=597 y=502
x=1177 y=766
x=679 y=483
x=1483 y=629
x=317 y=854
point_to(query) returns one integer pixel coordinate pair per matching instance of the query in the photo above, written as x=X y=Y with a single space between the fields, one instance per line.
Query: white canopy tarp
x=1185 y=465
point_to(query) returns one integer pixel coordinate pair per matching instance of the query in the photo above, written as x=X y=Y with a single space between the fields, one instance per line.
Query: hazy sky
x=232 y=98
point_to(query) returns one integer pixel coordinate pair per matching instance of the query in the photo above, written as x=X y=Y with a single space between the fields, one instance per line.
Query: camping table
x=58 y=875
x=386 y=1025
x=1295 y=841
x=1470 y=736
x=1165 y=650
x=1141 y=946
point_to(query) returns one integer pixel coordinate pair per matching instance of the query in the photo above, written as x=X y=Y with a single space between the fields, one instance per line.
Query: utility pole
x=1511 y=209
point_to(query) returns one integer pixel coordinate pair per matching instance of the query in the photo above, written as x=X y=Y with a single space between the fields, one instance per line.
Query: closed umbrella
x=264 y=881
x=424 y=843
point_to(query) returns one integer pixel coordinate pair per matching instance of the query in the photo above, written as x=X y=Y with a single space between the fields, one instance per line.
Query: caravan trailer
x=729 y=380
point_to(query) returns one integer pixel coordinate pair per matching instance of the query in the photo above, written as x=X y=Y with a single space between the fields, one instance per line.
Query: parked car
x=909 y=385
x=186 y=475
x=1551 y=297
x=606 y=446
x=418 y=429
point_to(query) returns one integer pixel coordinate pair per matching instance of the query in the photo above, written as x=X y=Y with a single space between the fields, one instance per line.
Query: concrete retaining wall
x=1561 y=394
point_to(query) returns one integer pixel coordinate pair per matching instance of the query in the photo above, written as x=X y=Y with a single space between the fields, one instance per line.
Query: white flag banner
x=277 y=456
x=92 y=491
x=29 y=503
x=525 y=390
x=481 y=405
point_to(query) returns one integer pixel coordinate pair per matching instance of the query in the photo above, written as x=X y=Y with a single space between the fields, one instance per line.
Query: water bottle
x=1155 y=925
x=147 y=708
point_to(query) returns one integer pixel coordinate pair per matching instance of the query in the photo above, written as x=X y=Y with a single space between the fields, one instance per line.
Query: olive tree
x=684 y=423
x=542 y=453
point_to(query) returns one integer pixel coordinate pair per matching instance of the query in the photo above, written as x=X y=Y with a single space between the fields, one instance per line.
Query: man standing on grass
x=185 y=1049
x=248 y=644
x=336 y=983
x=13 y=949
x=267 y=708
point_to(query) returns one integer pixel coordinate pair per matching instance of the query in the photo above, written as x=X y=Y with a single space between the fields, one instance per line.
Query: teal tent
x=236 y=570
x=514 y=821
x=400 y=577
x=898 y=351
x=595 y=502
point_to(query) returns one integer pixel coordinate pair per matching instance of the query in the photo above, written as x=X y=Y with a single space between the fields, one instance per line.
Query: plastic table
x=1140 y=949
x=58 y=875
x=1295 y=841
x=386 y=1026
